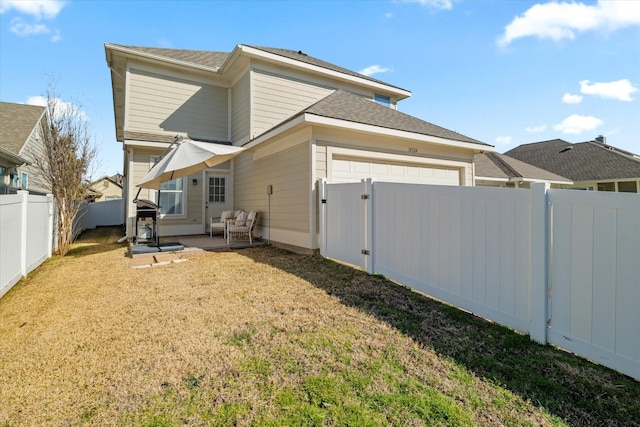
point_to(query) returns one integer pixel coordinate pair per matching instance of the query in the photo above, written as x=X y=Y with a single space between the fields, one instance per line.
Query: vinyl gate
x=594 y=281
x=561 y=265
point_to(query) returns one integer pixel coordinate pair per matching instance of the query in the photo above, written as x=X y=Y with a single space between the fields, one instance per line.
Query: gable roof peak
x=304 y=57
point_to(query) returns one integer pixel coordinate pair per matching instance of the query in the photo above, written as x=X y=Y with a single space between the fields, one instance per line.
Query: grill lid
x=146 y=204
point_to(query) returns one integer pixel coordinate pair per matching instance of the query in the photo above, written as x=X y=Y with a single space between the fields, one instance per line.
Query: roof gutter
x=17 y=160
x=533 y=180
x=312 y=119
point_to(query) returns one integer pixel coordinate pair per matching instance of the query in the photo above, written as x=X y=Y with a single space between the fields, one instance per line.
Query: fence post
x=368 y=225
x=24 y=195
x=323 y=216
x=538 y=287
x=50 y=225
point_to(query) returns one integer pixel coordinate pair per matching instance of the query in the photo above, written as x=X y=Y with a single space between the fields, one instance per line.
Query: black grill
x=147 y=210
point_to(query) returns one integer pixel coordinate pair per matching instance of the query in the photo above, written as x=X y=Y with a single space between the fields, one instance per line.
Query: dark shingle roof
x=197 y=57
x=347 y=106
x=495 y=165
x=17 y=121
x=303 y=57
x=217 y=59
x=584 y=161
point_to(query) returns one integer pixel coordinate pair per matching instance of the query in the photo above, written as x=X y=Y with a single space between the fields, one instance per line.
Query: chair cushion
x=237 y=213
x=241 y=219
x=225 y=215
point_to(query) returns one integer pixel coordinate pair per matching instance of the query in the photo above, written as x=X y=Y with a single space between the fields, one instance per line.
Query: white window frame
x=153 y=159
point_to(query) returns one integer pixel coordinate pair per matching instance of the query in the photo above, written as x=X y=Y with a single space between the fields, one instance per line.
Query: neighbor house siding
x=241 y=110
x=33 y=148
x=276 y=98
x=288 y=173
x=163 y=103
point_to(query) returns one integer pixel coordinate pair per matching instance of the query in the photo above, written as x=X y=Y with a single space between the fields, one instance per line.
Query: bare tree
x=64 y=161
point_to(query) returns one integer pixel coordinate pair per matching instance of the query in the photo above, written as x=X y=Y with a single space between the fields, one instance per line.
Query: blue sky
x=503 y=72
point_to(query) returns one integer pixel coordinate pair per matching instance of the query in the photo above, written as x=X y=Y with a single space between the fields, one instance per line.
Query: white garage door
x=353 y=170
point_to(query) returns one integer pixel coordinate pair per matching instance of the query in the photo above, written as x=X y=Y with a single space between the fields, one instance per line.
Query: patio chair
x=219 y=224
x=242 y=229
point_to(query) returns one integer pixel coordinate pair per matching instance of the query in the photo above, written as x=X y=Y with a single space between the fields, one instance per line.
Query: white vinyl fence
x=27 y=231
x=560 y=265
x=26 y=235
x=99 y=214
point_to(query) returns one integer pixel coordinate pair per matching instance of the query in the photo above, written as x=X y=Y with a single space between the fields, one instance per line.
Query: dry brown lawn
x=266 y=337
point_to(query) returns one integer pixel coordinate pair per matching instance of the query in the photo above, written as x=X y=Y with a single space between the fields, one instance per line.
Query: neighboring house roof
x=108 y=178
x=17 y=122
x=13 y=159
x=343 y=105
x=502 y=167
x=117 y=179
x=584 y=161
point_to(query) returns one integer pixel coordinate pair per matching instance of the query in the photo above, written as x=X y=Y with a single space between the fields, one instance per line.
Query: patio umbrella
x=186 y=158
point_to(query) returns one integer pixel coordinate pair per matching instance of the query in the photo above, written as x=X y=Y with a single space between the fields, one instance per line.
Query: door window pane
x=217 y=190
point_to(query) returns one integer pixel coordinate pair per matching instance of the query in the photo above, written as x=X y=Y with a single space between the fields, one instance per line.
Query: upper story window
x=382 y=100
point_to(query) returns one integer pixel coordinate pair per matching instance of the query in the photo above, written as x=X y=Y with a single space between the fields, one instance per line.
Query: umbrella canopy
x=186 y=158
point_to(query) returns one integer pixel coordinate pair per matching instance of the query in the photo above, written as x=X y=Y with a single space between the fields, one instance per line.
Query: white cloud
x=23 y=29
x=619 y=89
x=576 y=124
x=37 y=100
x=536 y=129
x=435 y=4
x=568 y=98
x=374 y=69
x=39 y=9
x=60 y=106
x=503 y=140
x=561 y=20
x=388 y=15
x=56 y=36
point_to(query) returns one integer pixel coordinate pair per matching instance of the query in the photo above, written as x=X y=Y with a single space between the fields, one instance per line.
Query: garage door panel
x=355 y=169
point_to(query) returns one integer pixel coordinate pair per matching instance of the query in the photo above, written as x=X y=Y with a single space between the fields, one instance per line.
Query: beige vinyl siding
x=241 y=109
x=141 y=166
x=288 y=173
x=321 y=161
x=276 y=98
x=160 y=103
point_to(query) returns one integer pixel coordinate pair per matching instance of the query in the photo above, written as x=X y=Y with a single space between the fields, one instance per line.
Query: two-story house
x=19 y=141
x=299 y=119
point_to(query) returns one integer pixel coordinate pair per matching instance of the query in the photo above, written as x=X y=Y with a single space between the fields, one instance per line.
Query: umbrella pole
x=157 y=222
